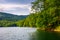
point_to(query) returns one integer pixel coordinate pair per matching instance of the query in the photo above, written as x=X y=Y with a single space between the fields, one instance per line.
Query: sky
x=16 y=7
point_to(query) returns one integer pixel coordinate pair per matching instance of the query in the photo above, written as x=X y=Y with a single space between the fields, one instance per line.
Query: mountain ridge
x=7 y=16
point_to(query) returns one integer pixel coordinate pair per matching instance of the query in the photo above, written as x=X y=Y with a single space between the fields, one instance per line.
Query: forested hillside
x=46 y=15
x=7 y=20
x=11 y=17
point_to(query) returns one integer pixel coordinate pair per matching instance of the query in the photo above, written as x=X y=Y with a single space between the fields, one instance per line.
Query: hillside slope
x=10 y=17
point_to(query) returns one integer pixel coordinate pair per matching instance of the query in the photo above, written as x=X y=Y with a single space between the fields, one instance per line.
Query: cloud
x=8 y=6
x=14 y=8
x=18 y=7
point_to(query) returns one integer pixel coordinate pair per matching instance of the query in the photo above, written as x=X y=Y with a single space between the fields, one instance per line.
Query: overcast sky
x=17 y=7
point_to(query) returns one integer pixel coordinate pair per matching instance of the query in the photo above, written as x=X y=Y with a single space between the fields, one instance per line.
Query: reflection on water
x=44 y=35
x=17 y=33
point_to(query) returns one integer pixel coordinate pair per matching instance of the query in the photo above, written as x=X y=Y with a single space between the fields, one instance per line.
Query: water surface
x=45 y=35
x=16 y=33
x=26 y=33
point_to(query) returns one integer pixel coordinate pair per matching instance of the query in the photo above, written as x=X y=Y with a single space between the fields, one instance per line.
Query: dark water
x=17 y=33
x=45 y=35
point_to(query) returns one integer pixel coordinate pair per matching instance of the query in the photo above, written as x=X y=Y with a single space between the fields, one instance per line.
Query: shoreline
x=52 y=30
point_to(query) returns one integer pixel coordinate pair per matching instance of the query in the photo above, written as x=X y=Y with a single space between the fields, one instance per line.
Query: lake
x=26 y=33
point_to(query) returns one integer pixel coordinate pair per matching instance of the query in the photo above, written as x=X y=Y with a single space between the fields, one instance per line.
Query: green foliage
x=5 y=23
x=7 y=20
x=20 y=23
x=28 y=22
x=47 y=14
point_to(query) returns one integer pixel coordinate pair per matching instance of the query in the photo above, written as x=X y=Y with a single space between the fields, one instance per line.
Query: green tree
x=49 y=17
x=47 y=14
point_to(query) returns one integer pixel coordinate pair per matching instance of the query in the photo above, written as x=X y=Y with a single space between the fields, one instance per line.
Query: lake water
x=25 y=33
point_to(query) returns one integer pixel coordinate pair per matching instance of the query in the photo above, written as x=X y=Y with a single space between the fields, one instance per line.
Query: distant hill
x=11 y=17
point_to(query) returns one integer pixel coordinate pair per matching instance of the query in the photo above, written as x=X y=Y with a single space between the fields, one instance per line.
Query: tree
x=49 y=17
x=47 y=14
x=38 y=5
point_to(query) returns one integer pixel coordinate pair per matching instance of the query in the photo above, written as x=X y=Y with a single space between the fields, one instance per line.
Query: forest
x=46 y=14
